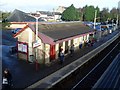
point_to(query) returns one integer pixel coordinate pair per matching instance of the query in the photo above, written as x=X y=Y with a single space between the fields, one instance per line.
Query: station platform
x=25 y=75
x=62 y=73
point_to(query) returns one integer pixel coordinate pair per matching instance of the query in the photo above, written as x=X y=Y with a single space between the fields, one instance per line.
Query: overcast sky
x=48 y=5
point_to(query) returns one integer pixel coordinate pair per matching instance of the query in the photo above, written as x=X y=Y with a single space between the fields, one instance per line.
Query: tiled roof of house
x=64 y=30
x=20 y=16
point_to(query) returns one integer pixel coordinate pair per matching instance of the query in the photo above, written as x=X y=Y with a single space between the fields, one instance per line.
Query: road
x=7 y=42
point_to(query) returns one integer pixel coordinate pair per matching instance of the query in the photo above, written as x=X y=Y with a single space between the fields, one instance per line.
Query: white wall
x=30 y=40
x=57 y=17
x=56 y=50
x=14 y=26
x=47 y=53
x=43 y=16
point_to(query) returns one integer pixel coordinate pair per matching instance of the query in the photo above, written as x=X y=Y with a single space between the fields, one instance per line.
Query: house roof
x=64 y=30
x=20 y=16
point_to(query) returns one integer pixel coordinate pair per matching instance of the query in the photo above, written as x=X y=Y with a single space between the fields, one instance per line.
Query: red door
x=52 y=52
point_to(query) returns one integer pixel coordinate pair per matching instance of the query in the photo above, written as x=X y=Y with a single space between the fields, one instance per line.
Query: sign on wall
x=36 y=44
x=22 y=47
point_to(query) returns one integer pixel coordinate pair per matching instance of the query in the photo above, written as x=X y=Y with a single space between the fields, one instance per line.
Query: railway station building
x=50 y=40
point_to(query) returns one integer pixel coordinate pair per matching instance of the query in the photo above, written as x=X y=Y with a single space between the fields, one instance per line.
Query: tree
x=118 y=17
x=113 y=13
x=83 y=13
x=98 y=14
x=5 y=23
x=70 y=14
x=0 y=20
x=104 y=14
x=89 y=12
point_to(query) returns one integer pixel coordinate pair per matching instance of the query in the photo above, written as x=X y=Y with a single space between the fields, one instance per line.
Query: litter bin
x=32 y=58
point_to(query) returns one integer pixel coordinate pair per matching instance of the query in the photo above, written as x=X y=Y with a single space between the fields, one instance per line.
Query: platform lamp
x=36 y=16
x=95 y=18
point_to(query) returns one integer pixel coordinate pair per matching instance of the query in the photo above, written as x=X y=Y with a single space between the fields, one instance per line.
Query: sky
x=49 y=5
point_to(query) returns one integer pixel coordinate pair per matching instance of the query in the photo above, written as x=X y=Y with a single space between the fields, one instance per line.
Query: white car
x=16 y=30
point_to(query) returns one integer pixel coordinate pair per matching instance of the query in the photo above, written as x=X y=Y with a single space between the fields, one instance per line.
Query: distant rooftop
x=20 y=16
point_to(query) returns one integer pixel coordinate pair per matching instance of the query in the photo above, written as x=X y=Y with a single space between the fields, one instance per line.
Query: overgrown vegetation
x=71 y=14
x=87 y=13
x=4 y=23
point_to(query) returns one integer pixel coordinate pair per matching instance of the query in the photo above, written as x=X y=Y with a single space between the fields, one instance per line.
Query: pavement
x=25 y=74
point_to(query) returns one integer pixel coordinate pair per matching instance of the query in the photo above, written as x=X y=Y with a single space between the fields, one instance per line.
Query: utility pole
x=117 y=21
x=36 y=39
x=54 y=13
x=95 y=18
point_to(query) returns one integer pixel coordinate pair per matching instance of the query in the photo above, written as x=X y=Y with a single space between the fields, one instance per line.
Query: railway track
x=88 y=74
x=91 y=78
x=111 y=76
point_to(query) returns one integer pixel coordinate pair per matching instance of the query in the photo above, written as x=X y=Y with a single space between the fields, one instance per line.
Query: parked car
x=16 y=30
x=87 y=23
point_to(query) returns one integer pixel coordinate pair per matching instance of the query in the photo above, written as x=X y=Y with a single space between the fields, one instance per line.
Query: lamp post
x=117 y=22
x=95 y=18
x=37 y=16
x=36 y=41
x=36 y=30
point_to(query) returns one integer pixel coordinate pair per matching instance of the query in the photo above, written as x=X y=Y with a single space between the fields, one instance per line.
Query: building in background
x=61 y=9
x=49 y=16
x=19 y=19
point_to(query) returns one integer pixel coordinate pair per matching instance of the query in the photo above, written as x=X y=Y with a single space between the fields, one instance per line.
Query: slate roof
x=64 y=30
x=58 y=32
x=20 y=16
